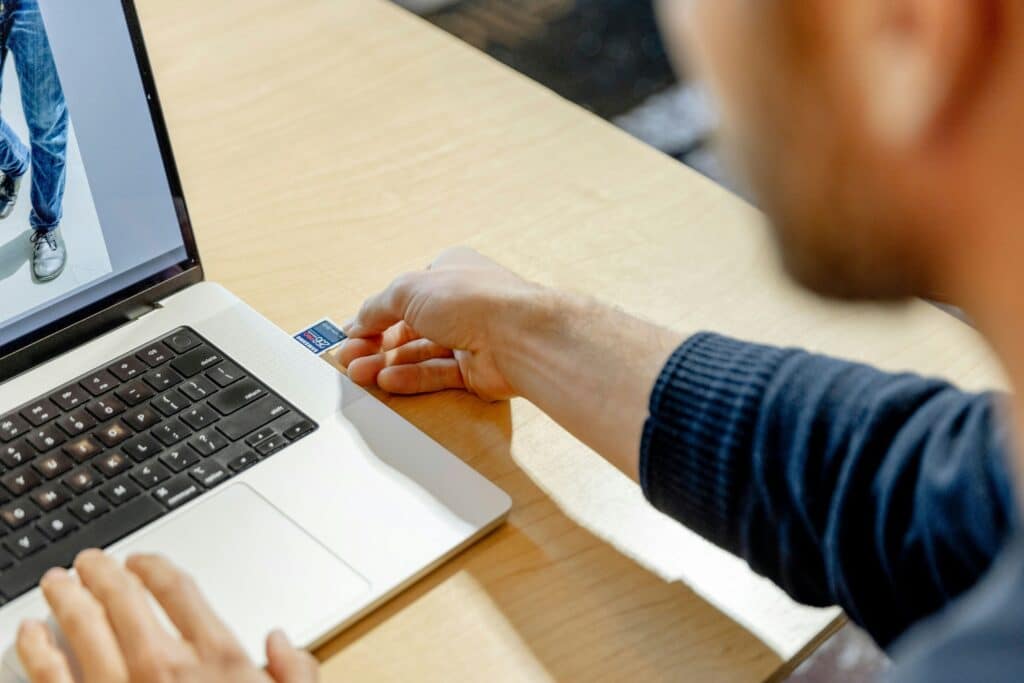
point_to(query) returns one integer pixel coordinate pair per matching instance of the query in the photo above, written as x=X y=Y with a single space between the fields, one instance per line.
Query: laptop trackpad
x=256 y=566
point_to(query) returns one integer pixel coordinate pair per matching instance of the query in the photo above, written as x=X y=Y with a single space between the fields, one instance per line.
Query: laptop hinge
x=140 y=311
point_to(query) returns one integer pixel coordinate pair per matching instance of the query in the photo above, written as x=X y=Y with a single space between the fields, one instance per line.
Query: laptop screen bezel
x=74 y=329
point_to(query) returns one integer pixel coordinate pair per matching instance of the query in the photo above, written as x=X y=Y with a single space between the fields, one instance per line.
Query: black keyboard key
x=40 y=412
x=113 y=464
x=88 y=507
x=46 y=438
x=135 y=393
x=12 y=426
x=271 y=445
x=237 y=396
x=225 y=374
x=163 y=379
x=260 y=435
x=150 y=474
x=171 y=403
x=180 y=458
x=113 y=433
x=182 y=340
x=25 y=543
x=70 y=397
x=6 y=559
x=19 y=513
x=21 y=481
x=76 y=423
x=298 y=428
x=141 y=418
x=82 y=449
x=155 y=355
x=57 y=526
x=106 y=408
x=100 y=534
x=208 y=442
x=252 y=418
x=198 y=388
x=50 y=497
x=196 y=361
x=243 y=462
x=128 y=368
x=82 y=479
x=209 y=474
x=15 y=454
x=120 y=491
x=177 y=491
x=142 y=447
x=171 y=432
x=200 y=417
x=99 y=383
x=53 y=465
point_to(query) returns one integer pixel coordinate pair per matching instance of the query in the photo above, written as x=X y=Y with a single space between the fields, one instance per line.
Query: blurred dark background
x=607 y=56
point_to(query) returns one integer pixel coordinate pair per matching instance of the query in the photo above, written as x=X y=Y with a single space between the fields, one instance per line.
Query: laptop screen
x=90 y=207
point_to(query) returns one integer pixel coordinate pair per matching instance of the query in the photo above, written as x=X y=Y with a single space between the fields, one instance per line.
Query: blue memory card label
x=321 y=337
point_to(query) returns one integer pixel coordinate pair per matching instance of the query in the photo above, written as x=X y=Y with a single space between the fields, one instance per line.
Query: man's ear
x=917 y=63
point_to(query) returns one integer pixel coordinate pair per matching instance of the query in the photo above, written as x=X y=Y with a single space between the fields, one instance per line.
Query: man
x=23 y=34
x=882 y=137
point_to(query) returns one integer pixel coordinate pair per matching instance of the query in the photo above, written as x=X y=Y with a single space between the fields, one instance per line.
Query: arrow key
x=25 y=542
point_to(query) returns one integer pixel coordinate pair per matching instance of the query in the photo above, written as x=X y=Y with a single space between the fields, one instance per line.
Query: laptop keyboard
x=85 y=465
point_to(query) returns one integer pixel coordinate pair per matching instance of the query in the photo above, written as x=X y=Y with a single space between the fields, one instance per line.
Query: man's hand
x=467 y=322
x=447 y=327
x=115 y=637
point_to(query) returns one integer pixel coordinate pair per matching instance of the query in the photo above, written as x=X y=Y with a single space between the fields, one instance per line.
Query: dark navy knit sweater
x=889 y=495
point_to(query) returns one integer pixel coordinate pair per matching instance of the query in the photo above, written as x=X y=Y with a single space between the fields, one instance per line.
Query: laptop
x=143 y=409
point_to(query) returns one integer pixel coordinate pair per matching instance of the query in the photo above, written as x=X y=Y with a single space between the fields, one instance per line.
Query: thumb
x=285 y=664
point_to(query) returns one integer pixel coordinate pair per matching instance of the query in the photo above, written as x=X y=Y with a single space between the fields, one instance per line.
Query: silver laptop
x=143 y=409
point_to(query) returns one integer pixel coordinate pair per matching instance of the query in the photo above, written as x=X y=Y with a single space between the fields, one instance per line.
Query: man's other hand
x=115 y=636
x=448 y=327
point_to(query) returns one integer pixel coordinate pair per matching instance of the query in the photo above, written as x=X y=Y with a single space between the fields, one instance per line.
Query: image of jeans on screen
x=23 y=36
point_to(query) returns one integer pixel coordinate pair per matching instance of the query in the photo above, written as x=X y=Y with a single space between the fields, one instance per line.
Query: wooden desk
x=327 y=145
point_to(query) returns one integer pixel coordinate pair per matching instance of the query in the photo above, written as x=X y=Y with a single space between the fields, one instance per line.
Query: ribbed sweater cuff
x=696 y=448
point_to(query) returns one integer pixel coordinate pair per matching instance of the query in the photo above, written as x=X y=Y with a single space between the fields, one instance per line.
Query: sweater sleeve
x=886 y=494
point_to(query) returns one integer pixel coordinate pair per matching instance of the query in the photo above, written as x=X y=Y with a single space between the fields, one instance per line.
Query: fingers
x=398 y=335
x=285 y=664
x=366 y=370
x=84 y=624
x=145 y=644
x=358 y=348
x=426 y=377
x=187 y=609
x=40 y=657
x=394 y=337
x=383 y=310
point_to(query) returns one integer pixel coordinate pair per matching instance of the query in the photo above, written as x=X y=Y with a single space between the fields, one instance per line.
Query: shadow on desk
x=541 y=598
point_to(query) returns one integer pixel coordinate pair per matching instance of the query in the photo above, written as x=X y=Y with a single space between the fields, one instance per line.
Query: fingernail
x=54 y=574
x=280 y=637
x=347 y=326
x=31 y=628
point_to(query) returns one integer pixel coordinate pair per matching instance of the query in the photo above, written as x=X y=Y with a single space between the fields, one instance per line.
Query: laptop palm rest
x=249 y=558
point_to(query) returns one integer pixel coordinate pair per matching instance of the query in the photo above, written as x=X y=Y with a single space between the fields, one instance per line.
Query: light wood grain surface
x=328 y=145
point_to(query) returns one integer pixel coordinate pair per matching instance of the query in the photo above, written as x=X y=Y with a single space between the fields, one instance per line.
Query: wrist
x=533 y=326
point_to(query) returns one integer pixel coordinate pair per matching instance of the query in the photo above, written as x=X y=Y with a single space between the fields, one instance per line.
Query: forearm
x=589 y=366
x=887 y=494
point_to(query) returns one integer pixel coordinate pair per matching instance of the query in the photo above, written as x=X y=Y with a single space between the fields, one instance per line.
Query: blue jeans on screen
x=23 y=35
